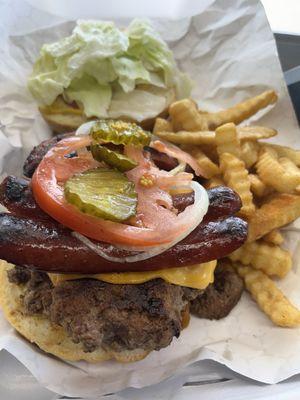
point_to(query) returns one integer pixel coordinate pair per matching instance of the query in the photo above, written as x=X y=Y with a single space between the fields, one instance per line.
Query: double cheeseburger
x=113 y=242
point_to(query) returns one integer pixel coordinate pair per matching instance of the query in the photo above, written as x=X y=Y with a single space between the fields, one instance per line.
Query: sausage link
x=16 y=195
x=48 y=246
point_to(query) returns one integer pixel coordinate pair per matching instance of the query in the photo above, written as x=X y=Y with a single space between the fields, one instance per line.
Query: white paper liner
x=230 y=52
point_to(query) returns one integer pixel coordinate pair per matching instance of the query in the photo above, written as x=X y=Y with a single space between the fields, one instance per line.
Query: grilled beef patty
x=219 y=297
x=116 y=317
x=124 y=317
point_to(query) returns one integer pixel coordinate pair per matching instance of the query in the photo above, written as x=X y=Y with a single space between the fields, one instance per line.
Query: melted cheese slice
x=197 y=276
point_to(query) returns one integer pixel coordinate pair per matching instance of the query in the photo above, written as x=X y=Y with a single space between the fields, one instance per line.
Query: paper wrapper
x=230 y=52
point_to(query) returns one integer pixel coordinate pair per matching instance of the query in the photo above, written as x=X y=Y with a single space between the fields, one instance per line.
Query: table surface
x=15 y=380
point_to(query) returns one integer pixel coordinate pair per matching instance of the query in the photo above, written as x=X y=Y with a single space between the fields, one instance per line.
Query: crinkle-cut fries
x=265 y=175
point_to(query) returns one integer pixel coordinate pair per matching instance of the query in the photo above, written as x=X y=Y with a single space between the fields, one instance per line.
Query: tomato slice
x=156 y=224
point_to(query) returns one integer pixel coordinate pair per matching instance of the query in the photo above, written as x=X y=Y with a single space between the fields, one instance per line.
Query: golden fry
x=270 y=298
x=284 y=151
x=208 y=167
x=184 y=114
x=270 y=259
x=208 y=137
x=240 y=111
x=227 y=140
x=249 y=153
x=236 y=176
x=255 y=132
x=258 y=188
x=279 y=211
x=210 y=151
x=289 y=165
x=162 y=125
x=192 y=138
x=213 y=138
x=291 y=168
x=272 y=173
x=274 y=237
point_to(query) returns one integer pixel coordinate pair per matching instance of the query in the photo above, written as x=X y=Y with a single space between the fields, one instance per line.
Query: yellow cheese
x=197 y=276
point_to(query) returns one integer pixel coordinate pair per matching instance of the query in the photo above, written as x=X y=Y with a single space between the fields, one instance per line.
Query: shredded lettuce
x=90 y=94
x=99 y=66
x=140 y=104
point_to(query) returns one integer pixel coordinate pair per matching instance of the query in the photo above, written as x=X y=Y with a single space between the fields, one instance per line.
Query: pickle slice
x=112 y=158
x=120 y=132
x=103 y=193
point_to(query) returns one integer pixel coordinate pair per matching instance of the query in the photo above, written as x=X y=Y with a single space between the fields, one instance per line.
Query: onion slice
x=173 y=151
x=200 y=208
x=85 y=128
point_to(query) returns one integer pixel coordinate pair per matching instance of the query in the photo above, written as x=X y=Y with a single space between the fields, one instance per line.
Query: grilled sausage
x=16 y=195
x=48 y=246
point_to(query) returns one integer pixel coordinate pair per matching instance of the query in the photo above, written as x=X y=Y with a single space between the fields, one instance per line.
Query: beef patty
x=125 y=317
x=219 y=297
x=116 y=317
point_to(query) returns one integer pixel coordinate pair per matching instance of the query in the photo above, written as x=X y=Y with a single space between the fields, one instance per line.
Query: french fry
x=209 y=168
x=210 y=151
x=227 y=140
x=257 y=187
x=214 y=138
x=162 y=125
x=192 y=138
x=208 y=137
x=279 y=211
x=214 y=182
x=255 y=132
x=236 y=176
x=274 y=237
x=289 y=165
x=184 y=112
x=284 y=151
x=249 y=153
x=270 y=259
x=240 y=111
x=270 y=298
x=272 y=173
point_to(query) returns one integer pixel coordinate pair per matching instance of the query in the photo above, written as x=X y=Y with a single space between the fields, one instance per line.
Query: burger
x=110 y=241
x=101 y=71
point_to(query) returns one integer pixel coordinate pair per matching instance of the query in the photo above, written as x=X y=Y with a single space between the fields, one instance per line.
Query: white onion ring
x=85 y=128
x=200 y=206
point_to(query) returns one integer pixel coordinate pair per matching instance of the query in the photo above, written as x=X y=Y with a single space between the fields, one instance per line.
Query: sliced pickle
x=120 y=132
x=112 y=158
x=103 y=193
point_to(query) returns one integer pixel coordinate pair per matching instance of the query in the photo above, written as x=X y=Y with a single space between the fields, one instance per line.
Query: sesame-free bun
x=47 y=336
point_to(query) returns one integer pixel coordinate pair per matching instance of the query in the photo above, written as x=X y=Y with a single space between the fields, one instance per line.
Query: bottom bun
x=47 y=336
x=63 y=117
